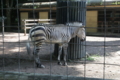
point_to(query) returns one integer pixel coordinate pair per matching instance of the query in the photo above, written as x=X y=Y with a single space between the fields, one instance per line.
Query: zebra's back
x=37 y=35
x=58 y=34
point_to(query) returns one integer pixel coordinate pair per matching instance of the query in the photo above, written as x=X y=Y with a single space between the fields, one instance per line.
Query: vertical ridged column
x=69 y=11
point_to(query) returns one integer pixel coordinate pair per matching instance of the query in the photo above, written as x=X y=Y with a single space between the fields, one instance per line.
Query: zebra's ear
x=68 y=24
x=82 y=26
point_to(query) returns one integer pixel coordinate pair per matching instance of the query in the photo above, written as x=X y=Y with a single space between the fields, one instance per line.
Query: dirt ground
x=13 y=57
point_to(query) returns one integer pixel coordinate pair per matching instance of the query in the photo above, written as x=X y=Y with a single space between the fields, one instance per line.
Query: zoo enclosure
x=34 y=73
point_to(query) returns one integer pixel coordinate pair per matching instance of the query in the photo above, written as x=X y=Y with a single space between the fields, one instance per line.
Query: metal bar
x=67 y=32
x=19 y=68
x=3 y=60
x=104 y=41
x=33 y=10
x=50 y=47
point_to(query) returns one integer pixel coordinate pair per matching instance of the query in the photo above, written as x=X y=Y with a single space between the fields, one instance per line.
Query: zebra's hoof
x=40 y=66
x=59 y=63
x=65 y=64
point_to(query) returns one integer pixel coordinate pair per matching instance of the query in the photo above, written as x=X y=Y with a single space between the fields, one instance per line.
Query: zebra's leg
x=59 y=54
x=37 y=59
x=65 y=54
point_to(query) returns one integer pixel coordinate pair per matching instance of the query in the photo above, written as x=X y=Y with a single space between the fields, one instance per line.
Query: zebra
x=59 y=33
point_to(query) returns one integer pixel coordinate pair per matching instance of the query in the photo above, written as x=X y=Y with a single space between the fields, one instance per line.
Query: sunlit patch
x=16 y=49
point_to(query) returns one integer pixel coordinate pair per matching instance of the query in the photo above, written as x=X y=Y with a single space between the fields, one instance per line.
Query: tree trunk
x=8 y=12
x=66 y=13
x=9 y=5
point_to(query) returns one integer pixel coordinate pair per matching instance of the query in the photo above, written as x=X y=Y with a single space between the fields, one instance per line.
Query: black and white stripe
x=59 y=33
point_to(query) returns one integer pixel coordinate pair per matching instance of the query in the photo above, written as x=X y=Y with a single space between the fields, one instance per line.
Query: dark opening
x=112 y=21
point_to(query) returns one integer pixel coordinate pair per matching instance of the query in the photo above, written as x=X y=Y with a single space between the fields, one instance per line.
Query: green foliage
x=91 y=58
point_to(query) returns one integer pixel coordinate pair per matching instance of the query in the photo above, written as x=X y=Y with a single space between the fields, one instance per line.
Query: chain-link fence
x=97 y=58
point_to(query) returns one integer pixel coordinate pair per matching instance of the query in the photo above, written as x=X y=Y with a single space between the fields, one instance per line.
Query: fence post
x=68 y=11
x=25 y=27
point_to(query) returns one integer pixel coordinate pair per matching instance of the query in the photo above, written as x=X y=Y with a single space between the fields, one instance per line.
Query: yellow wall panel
x=91 y=21
x=43 y=15
x=23 y=15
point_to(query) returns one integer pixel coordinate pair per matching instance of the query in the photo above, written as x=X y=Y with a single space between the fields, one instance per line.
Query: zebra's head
x=76 y=24
x=81 y=31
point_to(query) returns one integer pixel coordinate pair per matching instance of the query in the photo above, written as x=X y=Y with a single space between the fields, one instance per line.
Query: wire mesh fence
x=95 y=59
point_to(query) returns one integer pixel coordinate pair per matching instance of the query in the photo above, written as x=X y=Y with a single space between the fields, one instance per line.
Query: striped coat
x=59 y=33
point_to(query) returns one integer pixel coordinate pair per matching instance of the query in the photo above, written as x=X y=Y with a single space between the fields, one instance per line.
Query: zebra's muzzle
x=83 y=39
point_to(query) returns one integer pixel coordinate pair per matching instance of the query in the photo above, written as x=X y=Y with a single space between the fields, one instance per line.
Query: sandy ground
x=13 y=57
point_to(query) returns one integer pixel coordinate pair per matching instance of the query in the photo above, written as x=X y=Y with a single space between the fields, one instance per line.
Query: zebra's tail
x=28 y=45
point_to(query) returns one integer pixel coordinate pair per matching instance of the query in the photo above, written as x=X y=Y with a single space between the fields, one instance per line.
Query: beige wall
x=23 y=15
x=91 y=21
x=43 y=15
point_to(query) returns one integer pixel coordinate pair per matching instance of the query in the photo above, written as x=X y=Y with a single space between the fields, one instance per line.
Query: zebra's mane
x=72 y=24
x=76 y=23
x=52 y=25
